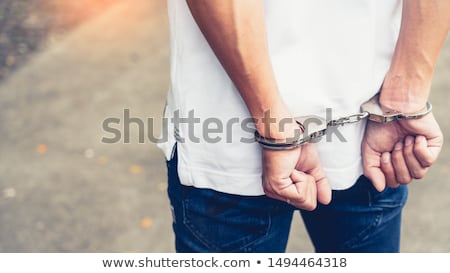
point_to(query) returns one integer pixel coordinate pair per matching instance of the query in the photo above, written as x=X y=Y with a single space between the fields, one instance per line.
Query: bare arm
x=398 y=152
x=236 y=31
x=425 y=24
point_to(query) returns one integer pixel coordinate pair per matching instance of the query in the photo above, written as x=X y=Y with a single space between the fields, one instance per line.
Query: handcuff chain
x=369 y=110
x=348 y=119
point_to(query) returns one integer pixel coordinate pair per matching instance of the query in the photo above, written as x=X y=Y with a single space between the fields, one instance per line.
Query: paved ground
x=26 y=25
x=61 y=190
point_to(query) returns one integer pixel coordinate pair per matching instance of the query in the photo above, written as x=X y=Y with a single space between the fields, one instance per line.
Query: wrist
x=287 y=138
x=404 y=95
x=278 y=128
x=275 y=122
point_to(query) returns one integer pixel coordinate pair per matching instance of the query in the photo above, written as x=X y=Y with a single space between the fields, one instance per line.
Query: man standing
x=272 y=61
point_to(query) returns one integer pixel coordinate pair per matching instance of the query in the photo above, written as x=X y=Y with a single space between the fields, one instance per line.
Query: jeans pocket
x=223 y=222
x=379 y=225
x=389 y=198
x=376 y=225
x=362 y=229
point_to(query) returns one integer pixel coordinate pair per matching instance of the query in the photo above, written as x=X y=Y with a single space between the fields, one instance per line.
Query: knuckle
x=310 y=206
x=390 y=181
x=268 y=190
x=418 y=174
x=396 y=155
x=425 y=158
x=393 y=185
x=417 y=150
x=409 y=150
x=302 y=199
x=427 y=162
x=404 y=180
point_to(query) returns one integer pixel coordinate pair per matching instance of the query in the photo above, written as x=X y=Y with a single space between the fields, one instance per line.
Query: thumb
x=372 y=167
x=323 y=191
x=372 y=170
x=376 y=176
x=322 y=185
x=312 y=165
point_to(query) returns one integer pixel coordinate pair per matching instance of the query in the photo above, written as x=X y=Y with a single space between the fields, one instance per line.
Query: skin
x=398 y=152
x=236 y=32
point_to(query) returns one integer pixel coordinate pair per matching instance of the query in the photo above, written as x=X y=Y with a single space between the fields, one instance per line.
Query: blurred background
x=65 y=66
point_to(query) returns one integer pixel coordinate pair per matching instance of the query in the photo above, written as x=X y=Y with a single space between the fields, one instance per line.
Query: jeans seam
x=247 y=247
x=194 y=232
x=363 y=234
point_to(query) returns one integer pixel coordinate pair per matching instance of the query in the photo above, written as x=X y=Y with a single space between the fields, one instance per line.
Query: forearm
x=236 y=32
x=425 y=24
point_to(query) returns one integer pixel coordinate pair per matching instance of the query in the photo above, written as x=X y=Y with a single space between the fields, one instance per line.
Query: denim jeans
x=359 y=219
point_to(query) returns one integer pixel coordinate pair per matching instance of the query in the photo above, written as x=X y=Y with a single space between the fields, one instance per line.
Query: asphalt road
x=62 y=190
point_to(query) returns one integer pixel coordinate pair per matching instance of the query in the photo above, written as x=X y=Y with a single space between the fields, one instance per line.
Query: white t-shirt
x=326 y=54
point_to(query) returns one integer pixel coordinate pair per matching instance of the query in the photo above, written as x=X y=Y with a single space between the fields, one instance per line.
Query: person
x=240 y=66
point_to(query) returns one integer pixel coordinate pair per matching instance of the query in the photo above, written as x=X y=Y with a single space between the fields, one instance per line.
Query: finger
x=416 y=170
x=283 y=194
x=315 y=169
x=388 y=169
x=322 y=184
x=376 y=176
x=324 y=191
x=298 y=176
x=289 y=192
x=398 y=161
x=372 y=168
x=275 y=189
x=308 y=191
x=426 y=154
x=306 y=188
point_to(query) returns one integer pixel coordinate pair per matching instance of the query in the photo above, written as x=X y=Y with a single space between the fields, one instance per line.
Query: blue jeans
x=359 y=219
